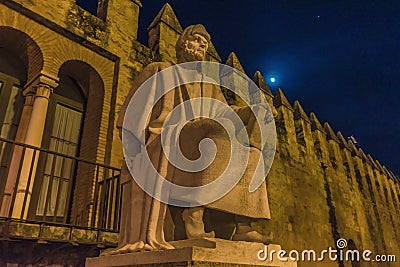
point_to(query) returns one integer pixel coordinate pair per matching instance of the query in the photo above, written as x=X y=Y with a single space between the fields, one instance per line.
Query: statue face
x=195 y=48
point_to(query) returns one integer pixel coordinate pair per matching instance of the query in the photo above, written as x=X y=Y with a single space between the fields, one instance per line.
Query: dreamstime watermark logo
x=341 y=243
x=149 y=162
x=331 y=254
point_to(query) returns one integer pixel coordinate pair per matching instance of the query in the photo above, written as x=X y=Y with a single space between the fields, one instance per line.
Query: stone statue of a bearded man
x=143 y=219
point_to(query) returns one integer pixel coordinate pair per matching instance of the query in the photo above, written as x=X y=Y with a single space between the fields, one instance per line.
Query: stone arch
x=44 y=41
x=83 y=73
x=55 y=49
x=18 y=44
x=21 y=60
x=92 y=86
x=66 y=50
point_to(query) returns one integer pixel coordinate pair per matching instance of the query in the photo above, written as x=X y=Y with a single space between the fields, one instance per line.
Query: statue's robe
x=142 y=217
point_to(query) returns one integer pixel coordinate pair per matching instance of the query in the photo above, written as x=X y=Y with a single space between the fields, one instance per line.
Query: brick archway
x=92 y=86
x=20 y=45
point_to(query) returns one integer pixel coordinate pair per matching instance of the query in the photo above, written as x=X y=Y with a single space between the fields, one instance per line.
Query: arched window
x=55 y=176
x=11 y=102
x=12 y=77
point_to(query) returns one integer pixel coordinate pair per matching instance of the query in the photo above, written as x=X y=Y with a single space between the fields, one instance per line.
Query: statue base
x=204 y=252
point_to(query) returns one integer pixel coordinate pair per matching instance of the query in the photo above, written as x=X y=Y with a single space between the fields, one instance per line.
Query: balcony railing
x=38 y=185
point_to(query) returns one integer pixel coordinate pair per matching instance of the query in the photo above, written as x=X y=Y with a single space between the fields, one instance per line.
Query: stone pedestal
x=197 y=252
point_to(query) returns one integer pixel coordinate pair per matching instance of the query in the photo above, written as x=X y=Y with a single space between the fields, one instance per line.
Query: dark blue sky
x=340 y=59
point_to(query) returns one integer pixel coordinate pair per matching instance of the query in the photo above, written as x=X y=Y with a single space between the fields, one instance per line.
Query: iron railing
x=38 y=185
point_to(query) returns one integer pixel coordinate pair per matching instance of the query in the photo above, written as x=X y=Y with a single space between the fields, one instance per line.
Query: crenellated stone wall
x=321 y=186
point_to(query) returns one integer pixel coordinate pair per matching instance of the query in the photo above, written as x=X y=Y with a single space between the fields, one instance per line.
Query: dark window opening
x=89 y=5
x=11 y=103
x=56 y=173
x=68 y=89
x=94 y=7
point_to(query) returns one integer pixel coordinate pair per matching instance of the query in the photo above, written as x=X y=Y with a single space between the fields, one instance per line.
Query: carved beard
x=192 y=54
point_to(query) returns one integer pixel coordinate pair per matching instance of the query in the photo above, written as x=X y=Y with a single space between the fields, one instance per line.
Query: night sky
x=340 y=59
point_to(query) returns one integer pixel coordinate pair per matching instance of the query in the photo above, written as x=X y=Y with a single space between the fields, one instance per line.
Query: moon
x=272 y=79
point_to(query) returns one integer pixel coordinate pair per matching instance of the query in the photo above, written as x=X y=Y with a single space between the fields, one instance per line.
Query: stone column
x=17 y=154
x=43 y=87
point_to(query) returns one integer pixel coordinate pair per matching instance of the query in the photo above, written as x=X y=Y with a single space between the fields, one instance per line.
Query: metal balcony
x=38 y=188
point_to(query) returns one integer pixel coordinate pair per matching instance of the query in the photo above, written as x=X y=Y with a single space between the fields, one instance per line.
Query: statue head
x=193 y=43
